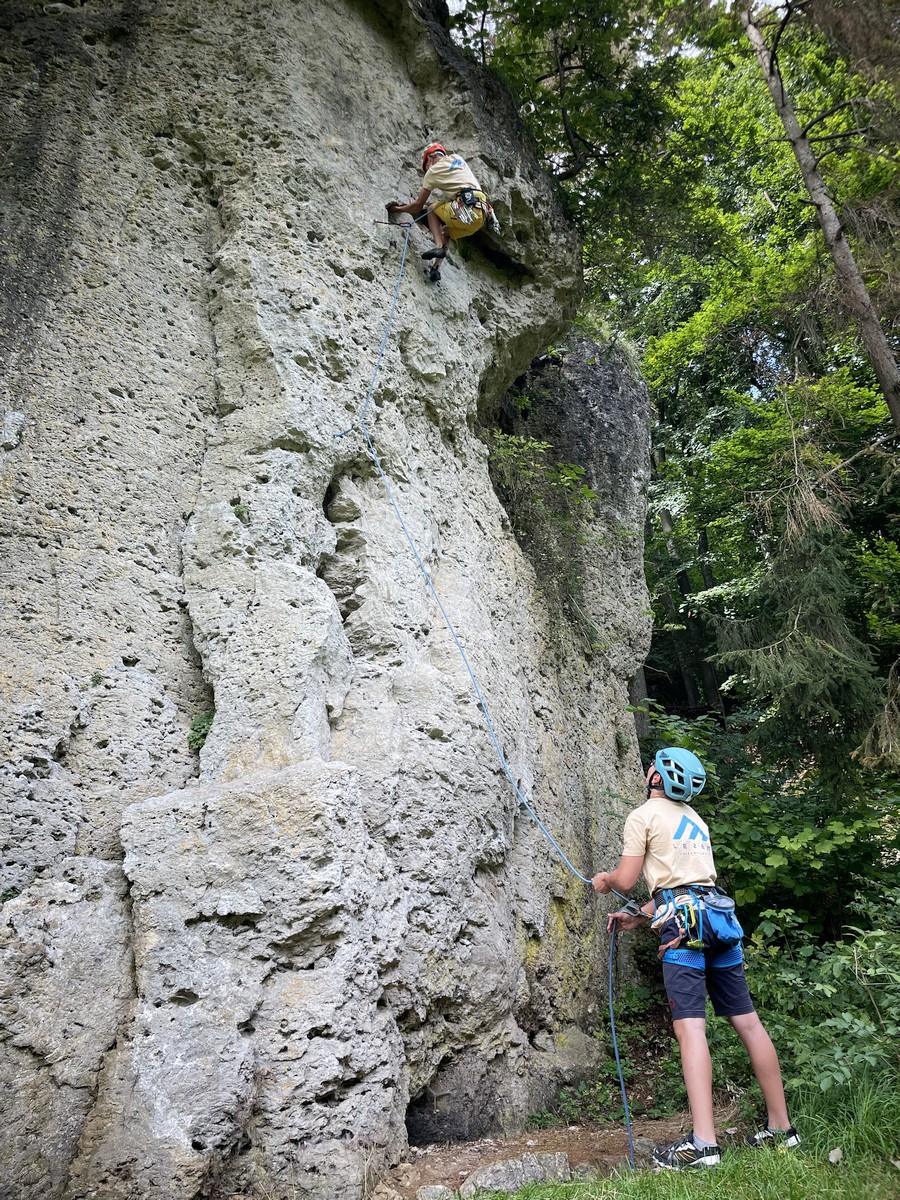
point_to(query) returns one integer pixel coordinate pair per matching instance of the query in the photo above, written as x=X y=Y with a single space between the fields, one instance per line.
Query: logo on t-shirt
x=684 y=826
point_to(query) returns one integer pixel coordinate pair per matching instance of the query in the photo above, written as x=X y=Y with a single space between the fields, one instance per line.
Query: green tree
x=773 y=542
x=802 y=140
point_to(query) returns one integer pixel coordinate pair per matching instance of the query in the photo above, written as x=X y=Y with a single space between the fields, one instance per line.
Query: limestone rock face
x=515 y=1173
x=254 y=967
x=65 y=990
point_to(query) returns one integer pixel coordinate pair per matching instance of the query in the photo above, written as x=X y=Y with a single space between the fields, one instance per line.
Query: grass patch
x=743 y=1175
x=860 y=1118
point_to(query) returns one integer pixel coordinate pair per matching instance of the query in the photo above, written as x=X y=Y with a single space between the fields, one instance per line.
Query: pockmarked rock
x=264 y=919
x=65 y=988
x=513 y=1174
x=271 y=908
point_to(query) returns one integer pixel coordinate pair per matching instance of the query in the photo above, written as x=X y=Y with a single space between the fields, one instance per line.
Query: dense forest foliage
x=734 y=171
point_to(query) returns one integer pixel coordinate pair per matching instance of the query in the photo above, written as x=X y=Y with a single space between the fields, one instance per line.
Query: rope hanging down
x=482 y=704
x=615 y=1042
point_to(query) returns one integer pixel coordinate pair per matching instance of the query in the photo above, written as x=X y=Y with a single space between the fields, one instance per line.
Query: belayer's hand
x=622 y=921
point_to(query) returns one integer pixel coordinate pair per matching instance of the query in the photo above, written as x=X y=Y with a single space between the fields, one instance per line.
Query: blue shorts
x=690 y=974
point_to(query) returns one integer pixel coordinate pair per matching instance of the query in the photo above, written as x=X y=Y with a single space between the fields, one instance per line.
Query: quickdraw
x=468 y=202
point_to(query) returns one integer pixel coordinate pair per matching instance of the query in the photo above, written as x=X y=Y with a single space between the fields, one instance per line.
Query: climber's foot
x=437 y=252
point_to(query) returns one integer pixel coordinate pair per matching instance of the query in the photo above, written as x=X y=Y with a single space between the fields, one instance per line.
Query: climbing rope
x=482 y=703
x=615 y=1042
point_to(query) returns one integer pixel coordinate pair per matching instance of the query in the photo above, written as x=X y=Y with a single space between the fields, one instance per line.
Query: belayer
x=460 y=210
x=700 y=948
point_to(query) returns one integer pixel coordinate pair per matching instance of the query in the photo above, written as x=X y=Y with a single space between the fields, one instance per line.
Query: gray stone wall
x=248 y=968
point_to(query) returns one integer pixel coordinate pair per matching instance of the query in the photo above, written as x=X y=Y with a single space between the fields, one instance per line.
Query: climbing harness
x=629 y=905
x=466 y=205
x=705 y=920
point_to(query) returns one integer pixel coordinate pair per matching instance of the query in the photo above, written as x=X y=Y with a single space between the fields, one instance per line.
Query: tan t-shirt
x=449 y=174
x=674 y=843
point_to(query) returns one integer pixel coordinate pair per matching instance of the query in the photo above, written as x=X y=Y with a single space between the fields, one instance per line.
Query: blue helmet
x=683 y=774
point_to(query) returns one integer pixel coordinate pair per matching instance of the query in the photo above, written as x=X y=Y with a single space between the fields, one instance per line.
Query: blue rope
x=615 y=1042
x=482 y=704
x=384 y=342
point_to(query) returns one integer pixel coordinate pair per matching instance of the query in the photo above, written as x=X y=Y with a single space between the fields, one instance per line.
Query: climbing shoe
x=683 y=1155
x=787 y=1138
x=437 y=252
x=435 y=274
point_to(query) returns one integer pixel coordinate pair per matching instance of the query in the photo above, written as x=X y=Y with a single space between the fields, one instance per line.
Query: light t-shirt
x=673 y=842
x=449 y=174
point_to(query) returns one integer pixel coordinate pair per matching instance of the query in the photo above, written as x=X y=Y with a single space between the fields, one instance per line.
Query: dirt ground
x=600 y=1147
x=595 y=1147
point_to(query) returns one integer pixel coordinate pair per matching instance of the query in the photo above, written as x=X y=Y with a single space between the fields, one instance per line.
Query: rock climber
x=700 y=948
x=460 y=209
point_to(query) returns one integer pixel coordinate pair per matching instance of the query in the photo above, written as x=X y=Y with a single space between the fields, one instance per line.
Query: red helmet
x=434 y=148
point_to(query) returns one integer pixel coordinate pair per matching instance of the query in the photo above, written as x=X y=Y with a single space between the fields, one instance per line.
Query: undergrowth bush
x=786 y=835
x=832 y=1009
x=199 y=730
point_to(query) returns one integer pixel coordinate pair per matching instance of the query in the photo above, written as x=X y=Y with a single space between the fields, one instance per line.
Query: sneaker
x=683 y=1155
x=774 y=1137
x=435 y=274
x=437 y=252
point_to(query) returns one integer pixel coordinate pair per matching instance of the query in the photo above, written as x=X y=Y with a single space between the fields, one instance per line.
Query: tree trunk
x=703 y=559
x=694 y=632
x=688 y=679
x=637 y=698
x=858 y=300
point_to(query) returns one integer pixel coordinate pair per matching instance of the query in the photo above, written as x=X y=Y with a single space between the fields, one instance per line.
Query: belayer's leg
x=696 y=1067
x=686 y=990
x=764 y=1060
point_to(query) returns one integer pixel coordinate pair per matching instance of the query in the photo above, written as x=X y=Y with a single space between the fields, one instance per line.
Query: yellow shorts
x=460 y=221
